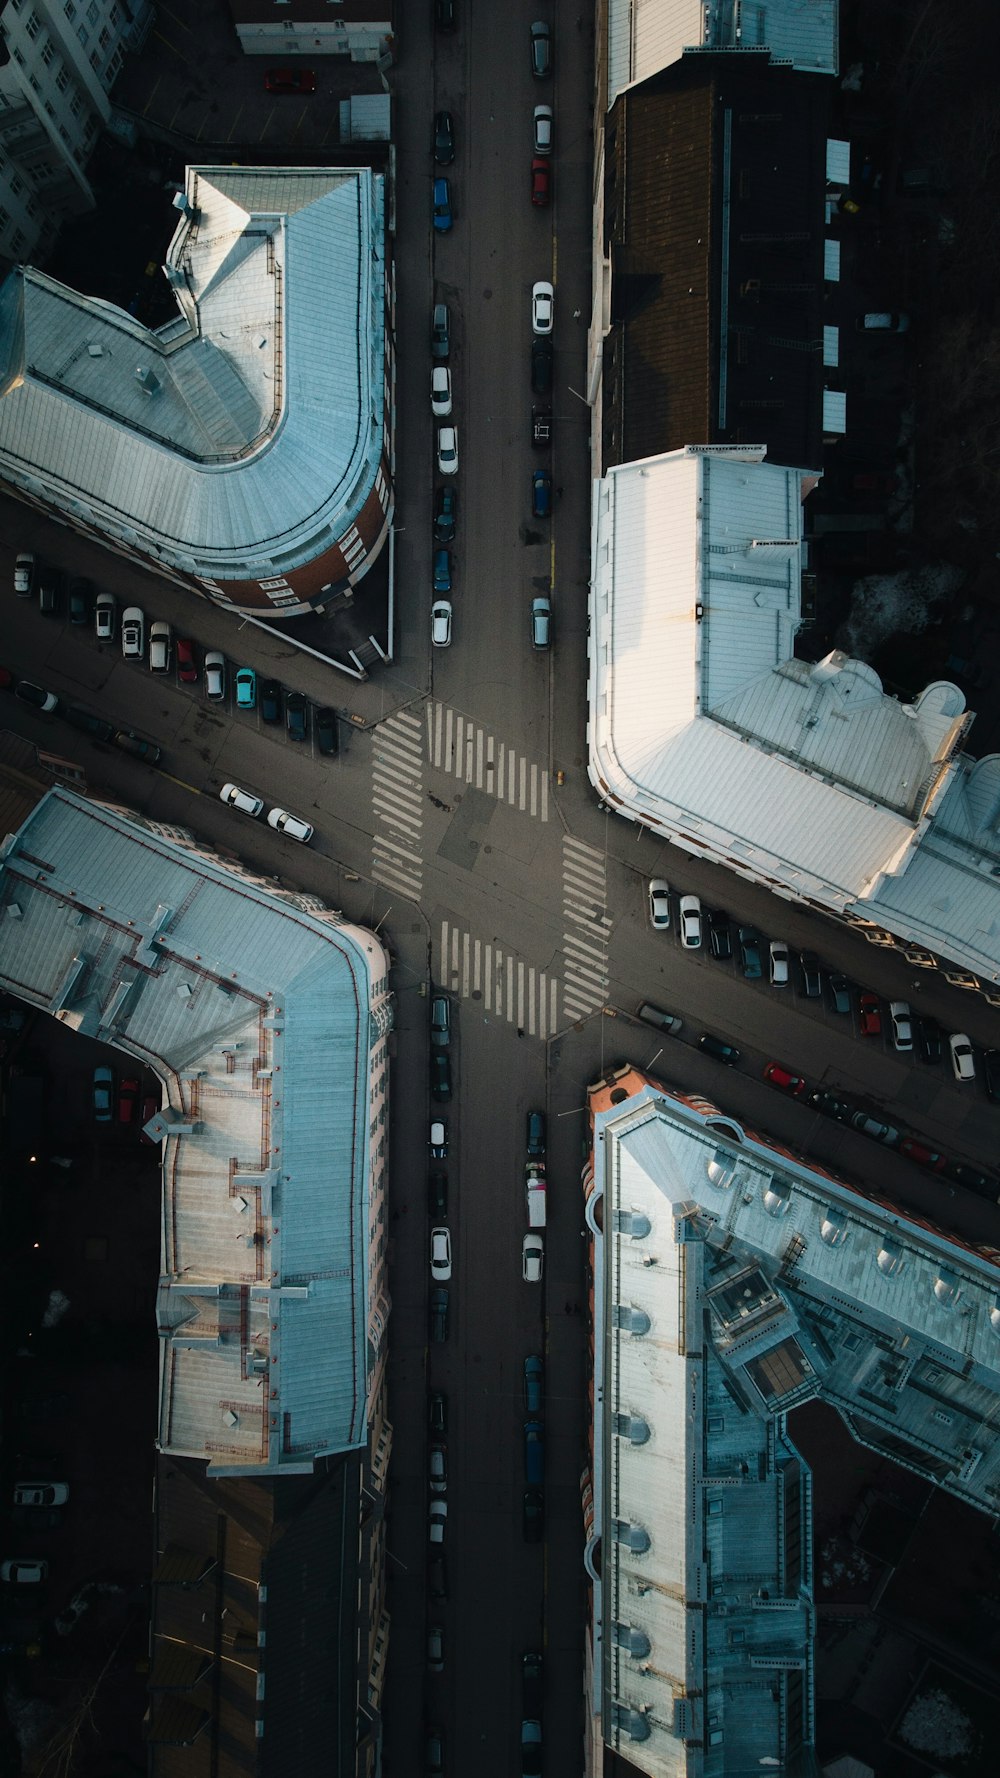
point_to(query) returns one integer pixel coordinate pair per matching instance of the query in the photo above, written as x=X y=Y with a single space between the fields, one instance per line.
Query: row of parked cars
x=38 y=1507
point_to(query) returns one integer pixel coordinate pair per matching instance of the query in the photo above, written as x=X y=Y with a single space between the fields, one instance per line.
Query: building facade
x=357 y=32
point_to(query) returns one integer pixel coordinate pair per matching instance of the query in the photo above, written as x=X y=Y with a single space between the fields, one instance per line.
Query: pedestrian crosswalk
x=505 y=986
x=461 y=747
x=398 y=803
x=587 y=928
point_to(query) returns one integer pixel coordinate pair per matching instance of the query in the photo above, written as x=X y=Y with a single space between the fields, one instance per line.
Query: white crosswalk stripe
x=504 y=985
x=459 y=746
x=398 y=803
x=587 y=929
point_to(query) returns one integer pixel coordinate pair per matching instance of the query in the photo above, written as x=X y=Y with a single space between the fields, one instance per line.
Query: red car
x=780 y=1077
x=289 y=80
x=540 y=178
x=128 y=1099
x=871 y=1017
x=187 y=667
x=924 y=1157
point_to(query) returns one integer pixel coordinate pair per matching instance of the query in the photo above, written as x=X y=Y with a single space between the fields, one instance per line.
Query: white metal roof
x=246 y=434
x=647 y=35
x=256 y=1012
x=705 y=727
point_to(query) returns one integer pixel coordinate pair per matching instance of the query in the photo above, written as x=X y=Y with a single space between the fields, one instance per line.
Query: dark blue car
x=442 y=572
x=541 y=494
x=442 y=206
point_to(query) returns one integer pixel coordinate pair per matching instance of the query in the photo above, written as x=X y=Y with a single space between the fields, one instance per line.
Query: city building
x=243 y=449
x=60 y=59
x=637 y=42
x=732 y=1282
x=359 y=31
x=805 y=777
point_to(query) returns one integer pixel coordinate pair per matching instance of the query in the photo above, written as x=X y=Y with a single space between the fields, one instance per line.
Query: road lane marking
x=397 y=799
x=471 y=753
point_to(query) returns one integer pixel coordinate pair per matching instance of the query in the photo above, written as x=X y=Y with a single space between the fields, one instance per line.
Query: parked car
x=159 y=647
x=531 y=1684
x=869 y=1014
x=777 y=1076
x=97 y=727
x=901 y=1021
x=447 y=450
x=444 y=14
x=133 y=632
x=244 y=800
x=105 y=617
x=440 y=391
x=720 y=941
x=719 y=1049
x=531 y=1748
x=963 y=1061
x=535 y=1136
x=438 y=1139
x=246 y=688
x=541 y=50
x=541 y=494
x=81 y=603
x=922 y=1155
x=437 y=1195
x=296 y=716
x=929 y=1041
x=440 y=1021
x=778 y=963
x=445 y=514
x=103 y=1094
x=49 y=590
x=543 y=299
x=812 y=981
x=690 y=922
x=130 y=742
x=532 y=1258
x=874 y=1127
x=840 y=993
x=972 y=1179
x=215 y=675
x=440 y=1077
x=541 y=138
x=437 y=1413
x=654 y=1015
x=437 y=1521
x=128 y=1098
x=326 y=731
x=541 y=622
x=434 y=1751
x=444 y=138
x=24 y=574
x=24 y=1571
x=289 y=80
x=541 y=181
x=883 y=321
x=270 y=701
x=442 y=572
x=750 y=954
x=441 y=623
x=991 y=1074
x=442 y=206
x=292 y=826
x=438 y=1314
x=534 y=1377
x=658 y=895
x=440 y=331
x=533 y=1515
x=440 y=1255
x=534 y=1453
x=541 y=366
x=187 y=666
x=829 y=1104
x=36 y=696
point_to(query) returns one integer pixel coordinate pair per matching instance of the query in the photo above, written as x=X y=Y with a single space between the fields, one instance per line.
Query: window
x=83 y=34
x=92 y=13
x=4 y=219
x=76 y=106
x=48 y=52
x=17 y=242
x=62 y=80
x=70 y=9
x=95 y=61
x=33 y=25
x=16 y=185
x=114 y=18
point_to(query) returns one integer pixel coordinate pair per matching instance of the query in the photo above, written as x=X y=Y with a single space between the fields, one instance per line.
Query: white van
x=534 y=1191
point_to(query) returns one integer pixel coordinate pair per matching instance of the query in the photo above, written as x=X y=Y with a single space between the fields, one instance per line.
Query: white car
x=659 y=904
x=24 y=574
x=437 y=1520
x=440 y=1255
x=41 y=1494
x=292 y=826
x=779 y=963
x=902 y=1025
x=435 y=1649
x=441 y=623
x=691 y=922
x=437 y=1469
x=542 y=137
x=532 y=1259
x=543 y=302
x=441 y=391
x=215 y=674
x=447 y=450
x=133 y=633
x=24 y=1571
x=159 y=647
x=963 y=1060
x=244 y=800
x=105 y=612
x=438 y=1139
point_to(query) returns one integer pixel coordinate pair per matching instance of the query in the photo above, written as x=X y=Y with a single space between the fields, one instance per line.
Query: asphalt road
x=441 y=822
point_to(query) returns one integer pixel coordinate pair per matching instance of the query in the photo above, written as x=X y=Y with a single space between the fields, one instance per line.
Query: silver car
x=133 y=633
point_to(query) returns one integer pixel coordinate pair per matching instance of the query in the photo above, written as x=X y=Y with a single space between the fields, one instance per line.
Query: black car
x=536 y=1136
x=326 y=732
x=750 y=954
x=840 y=993
x=991 y=1074
x=81 y=601
x=437 y=1579
x=714 y=1046
x=972 y=1179
x=929 y=1040
x=439 y=1314
x=541 y=366
x=130 y=742
x=829 y=1104
x=296 y=716
x=444 y=14
x=444 y=515
x=531 y=1685
x=37 y=1518
x=437 y=1413
x=533 y=1515
x=541 y=50
x=437 y=1196
x=96 y=726
x=269 y=696
x=440 y=1077
x=444 y=138
x=812 y=983
x=36 y=696
x=720 y=940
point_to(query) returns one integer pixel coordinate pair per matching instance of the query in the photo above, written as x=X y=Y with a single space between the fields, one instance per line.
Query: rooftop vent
x=834 y=1228
x=146 y=380
x=890 y=1257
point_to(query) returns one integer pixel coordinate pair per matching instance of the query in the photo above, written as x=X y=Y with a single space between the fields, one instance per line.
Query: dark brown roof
x=714 y=205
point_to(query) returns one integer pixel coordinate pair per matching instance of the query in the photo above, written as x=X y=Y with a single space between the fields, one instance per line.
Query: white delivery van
x=534 y=1186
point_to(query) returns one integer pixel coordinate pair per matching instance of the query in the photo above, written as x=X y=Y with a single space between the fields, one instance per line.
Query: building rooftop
x=259 y=1011
x=241 y=438
x=644 y=39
